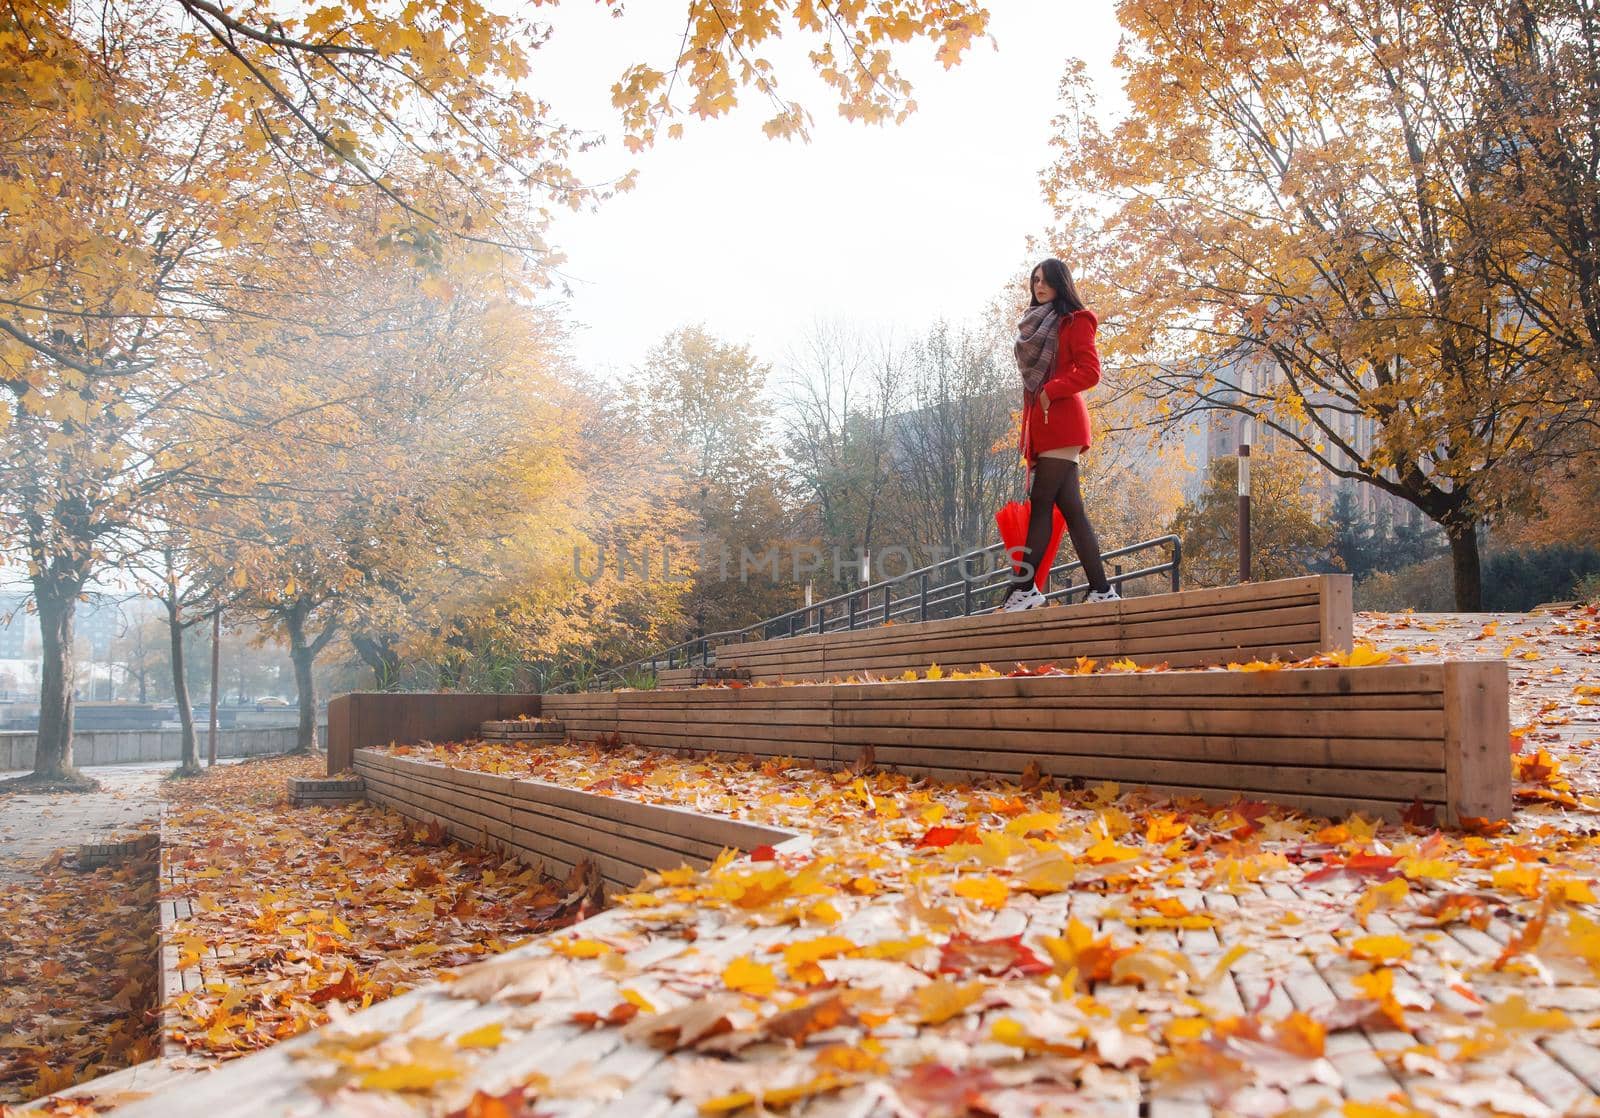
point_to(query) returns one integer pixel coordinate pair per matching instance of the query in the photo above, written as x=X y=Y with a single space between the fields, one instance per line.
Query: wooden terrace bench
x=1329 y=740
x=1288 y=620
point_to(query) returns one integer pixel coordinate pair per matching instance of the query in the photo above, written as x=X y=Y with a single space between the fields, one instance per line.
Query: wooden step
x=1329 y=740
x=304 y=791
x=1289 y=619
x=541 y=731
x=697 y=677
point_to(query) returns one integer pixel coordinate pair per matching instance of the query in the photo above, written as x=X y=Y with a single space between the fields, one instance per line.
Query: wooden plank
x=1477 y=738
x=756 y=747
x=1354 y=753
x=1155 y=607
x=806 y=725
x=799 y=695
x=594 y=807
x=1423 y=725
x=473 y=830
x=1219 y=643
x=1550 y=1081
x=1400 y=679
x=1266 y=780
x=1338 y=613
x=1070 y=630
x=657 y=852
x=1577 y=1055
x=658 y=824
x=1195 y=632
x=1422 y=700
x=634 y=845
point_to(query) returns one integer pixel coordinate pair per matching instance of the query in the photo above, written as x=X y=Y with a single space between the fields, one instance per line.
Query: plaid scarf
x=1037 y=335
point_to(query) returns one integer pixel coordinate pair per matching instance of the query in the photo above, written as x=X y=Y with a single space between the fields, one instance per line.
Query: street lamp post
x=1244 y=499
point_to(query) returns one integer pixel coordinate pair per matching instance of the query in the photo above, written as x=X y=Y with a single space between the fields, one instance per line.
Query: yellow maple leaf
x=408 y=1077
x=1257 y=666
x=941 y=999
x=989 y=891
x=1162 y=829
x=491 y=1035
x=633 y=997
x=1381 y=949
x=581 y=948
x=749 y=977
x=1572 y=890
x=775 y=1097
x=1514 y=1012
x=1518 y=879
x=1388 y=894
x=893 y=949
x=1109 y=850
x=811 y=950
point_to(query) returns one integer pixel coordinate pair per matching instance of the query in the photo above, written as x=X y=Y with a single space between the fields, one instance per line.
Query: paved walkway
x=33 y=825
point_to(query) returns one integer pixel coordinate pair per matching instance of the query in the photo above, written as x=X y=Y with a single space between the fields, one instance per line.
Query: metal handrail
x=928 y=601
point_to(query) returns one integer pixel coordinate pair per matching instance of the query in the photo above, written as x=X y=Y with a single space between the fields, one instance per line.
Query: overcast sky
x=890 y=227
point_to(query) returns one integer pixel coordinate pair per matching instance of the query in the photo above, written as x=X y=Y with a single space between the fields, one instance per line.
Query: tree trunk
x=52 y=758
x=379 y=655
x=303 y=656
x=216 y=671
x=1464 y=563
x=180 y=690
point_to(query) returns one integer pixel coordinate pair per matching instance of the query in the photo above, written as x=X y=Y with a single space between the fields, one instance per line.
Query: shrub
x=1426 y=586
x=1514 y=581
x=1588 y=589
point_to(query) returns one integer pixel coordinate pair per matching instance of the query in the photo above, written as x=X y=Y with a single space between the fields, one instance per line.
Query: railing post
x=887 y=592
x=924 y=596
x=852 y=611
x=966 y=594
x=1177 y=560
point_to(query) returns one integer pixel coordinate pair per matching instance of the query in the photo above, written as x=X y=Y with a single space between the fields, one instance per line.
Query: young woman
x=1057 y=359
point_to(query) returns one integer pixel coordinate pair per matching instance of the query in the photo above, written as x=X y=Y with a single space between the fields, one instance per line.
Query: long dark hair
x=1068 y=301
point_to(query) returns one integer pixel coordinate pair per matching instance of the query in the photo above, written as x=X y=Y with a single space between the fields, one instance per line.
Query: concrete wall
x=110 y=747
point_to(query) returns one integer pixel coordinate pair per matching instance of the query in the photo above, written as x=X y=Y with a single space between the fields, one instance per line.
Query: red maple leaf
x=1420 y=814
x=994 y=957
x=944 y=836
x=348 y=988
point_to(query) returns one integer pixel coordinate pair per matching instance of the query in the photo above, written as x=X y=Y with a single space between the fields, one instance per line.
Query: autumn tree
x=701 y=402
x=953 y=449
x=1309 y=221
x=422 y=462
x=1288 y=533
x=152 y=148
x=838 y=399
x=1530 y=71
x=173 y=574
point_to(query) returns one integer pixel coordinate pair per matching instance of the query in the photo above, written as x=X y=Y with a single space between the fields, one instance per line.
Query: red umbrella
x=1012 y=520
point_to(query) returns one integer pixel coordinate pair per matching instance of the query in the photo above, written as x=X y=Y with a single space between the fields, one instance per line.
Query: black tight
x=1055 y=485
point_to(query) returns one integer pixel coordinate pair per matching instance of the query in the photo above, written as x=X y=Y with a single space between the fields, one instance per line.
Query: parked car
x=272 y=702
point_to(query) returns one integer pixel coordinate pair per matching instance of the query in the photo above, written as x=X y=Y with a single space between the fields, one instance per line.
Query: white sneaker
x=1108 y=595
x=1019 y=600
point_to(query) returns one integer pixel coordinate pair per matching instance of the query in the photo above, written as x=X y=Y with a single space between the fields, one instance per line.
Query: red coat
x=1077 y=370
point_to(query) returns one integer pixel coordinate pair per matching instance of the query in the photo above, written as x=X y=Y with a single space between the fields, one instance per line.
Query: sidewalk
x=34 y=824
